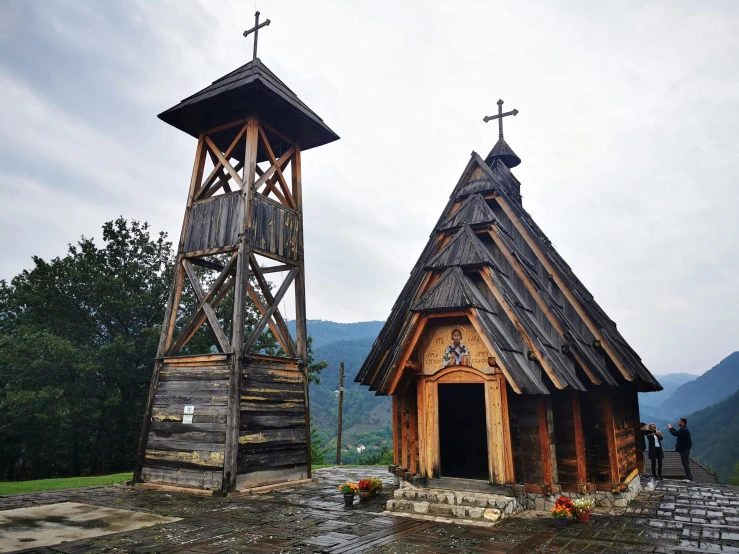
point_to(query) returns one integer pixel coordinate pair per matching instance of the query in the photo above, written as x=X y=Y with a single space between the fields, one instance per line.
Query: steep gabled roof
x=503 y=282
x=452 y=291
x=473 y=211
x=464 y=250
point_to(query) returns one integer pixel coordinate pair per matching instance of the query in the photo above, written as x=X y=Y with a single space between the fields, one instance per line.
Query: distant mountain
x=325 y=332
x=715 y=435
x=670 y=382
x=715 y=385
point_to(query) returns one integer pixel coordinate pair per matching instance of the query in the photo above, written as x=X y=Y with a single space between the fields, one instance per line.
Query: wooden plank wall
x=530 y=439
x=275 y=228
x=272 y=433
x=513 y=411
x=623 y=415
x=405 y=420
x=214 y=223
x=571 y=447
x=188 y=454
x=593 y=405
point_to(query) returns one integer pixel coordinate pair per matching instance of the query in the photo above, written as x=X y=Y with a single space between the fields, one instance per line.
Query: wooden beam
x=496 y=436
x=396 y=430
x=563 y=287
x=546 y=458
x=486 y=274
x=199 y=316
x=404 y=457
x=638 y=437
x=221 y=162
x=413 y=429
x=510 y=473
x=215 y=325
x=472 y=315
x=270 y=311
x=272 y=327
x=579 y=436
x=224 y=162
x=418 y=324
x=288 y=347
x=610 y=431
x=278 y=170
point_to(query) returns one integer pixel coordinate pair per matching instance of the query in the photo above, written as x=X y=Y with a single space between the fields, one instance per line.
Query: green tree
x=317 y=449
x=734 y=477
x=78 y=338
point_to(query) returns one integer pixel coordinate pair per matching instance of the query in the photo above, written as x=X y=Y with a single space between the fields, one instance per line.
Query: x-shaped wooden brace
x=271 y=310
x=276 y=169
x=280 y=330
x=221 y=164
x=205 y=309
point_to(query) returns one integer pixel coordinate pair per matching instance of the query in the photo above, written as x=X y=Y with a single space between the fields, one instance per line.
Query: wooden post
x=548 y=452
x=582 y=473
x=233 y=416
x=638 y=438
x=301 y=322
x=341 y=413
x=413 y=429
x=396 y=428
x=610 y=431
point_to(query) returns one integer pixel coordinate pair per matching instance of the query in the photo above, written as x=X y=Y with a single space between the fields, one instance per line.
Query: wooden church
x=501 y=365
x=236 y=417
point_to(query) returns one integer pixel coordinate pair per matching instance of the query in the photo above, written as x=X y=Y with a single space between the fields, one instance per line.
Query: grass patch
x=17 y=487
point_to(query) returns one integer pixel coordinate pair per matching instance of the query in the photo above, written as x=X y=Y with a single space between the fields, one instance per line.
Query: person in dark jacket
x=655 y=450
x=684 y=444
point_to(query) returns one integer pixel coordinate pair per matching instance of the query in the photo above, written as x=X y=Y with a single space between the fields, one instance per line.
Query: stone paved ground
x=675 y=518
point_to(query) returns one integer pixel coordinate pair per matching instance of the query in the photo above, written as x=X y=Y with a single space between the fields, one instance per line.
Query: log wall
x=272 y=432
x=188 y=454
x=530 y=440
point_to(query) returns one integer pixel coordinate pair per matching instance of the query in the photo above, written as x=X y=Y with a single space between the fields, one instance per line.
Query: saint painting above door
x=455 y=345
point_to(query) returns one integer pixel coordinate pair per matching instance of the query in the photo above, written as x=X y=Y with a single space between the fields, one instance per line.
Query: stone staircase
x=449 y=505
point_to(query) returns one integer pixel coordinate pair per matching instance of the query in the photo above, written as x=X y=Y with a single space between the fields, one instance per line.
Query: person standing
x=655 y=450
x=684 y=444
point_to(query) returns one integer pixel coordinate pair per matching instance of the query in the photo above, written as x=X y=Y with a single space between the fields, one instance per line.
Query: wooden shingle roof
x=252 y=88
x=499 y=267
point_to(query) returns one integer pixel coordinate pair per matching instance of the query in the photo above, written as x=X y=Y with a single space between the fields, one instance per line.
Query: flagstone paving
x=674 y=518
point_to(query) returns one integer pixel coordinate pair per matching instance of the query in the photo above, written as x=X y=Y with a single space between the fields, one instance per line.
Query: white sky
x=627 y=129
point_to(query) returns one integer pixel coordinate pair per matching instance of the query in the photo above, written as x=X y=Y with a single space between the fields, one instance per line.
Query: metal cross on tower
x=499 y=117
x=255 y=30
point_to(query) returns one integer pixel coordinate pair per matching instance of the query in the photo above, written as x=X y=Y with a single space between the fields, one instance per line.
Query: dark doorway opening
x=463 y=431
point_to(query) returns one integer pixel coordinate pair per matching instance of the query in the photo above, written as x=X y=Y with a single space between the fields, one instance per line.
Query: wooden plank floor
x=676 y=518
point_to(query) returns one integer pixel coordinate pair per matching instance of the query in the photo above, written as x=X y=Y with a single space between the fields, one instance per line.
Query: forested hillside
x=367 y=418
x=715 y=385
x=325 y=332
x=715 y=434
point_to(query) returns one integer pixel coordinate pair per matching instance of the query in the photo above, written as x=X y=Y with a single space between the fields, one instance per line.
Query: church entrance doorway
x=463 y=431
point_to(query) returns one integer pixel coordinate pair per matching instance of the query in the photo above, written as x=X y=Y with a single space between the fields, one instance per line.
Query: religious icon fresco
x=455 y=345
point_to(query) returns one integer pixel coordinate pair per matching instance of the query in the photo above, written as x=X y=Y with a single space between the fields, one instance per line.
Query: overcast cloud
x=627 y=130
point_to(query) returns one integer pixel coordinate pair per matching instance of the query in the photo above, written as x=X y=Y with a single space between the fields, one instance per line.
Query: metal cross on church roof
x=255 y=30
x=499 y=117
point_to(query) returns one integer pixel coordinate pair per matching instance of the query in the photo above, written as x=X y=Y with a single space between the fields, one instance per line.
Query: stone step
x=457 y=498
x=440 y=510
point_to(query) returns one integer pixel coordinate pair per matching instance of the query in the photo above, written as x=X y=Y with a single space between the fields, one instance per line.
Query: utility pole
x=341 y=410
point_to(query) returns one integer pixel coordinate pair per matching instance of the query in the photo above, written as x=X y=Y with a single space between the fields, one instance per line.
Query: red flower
x=364 y=485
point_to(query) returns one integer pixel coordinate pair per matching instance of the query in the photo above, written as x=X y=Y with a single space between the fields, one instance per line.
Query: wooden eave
x=474 y=211
x=464 y=250
x=453 y=291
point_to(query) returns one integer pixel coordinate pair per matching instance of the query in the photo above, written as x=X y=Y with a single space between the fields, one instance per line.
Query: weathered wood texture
x=597 y=411
x=188 y=454
x=571 y=461
x=215 y=222
x=530 y=440
x=272 y=434
x=274 y=228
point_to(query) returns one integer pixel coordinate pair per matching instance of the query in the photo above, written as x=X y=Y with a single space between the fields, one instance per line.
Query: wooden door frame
x=500 y=460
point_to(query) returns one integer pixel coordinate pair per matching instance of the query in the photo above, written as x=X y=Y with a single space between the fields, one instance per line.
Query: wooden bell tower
x=234 y=417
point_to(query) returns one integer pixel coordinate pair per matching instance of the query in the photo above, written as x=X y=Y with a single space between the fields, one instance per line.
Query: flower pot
x=583 y=516
x=560 y=522
x=364 y=495
x=348 y=500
